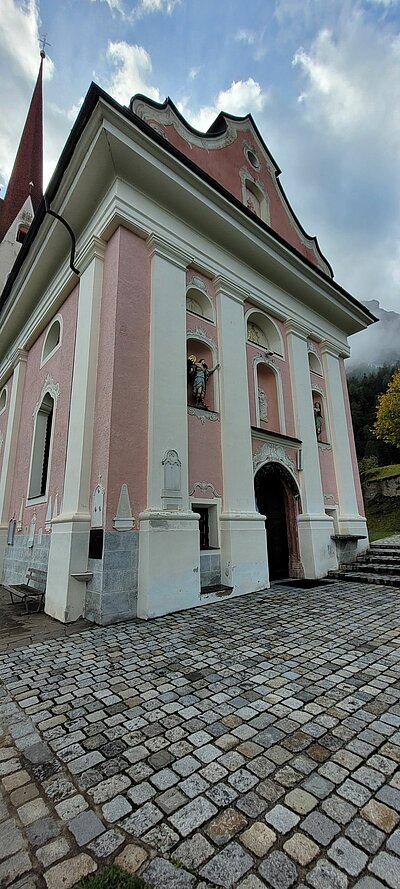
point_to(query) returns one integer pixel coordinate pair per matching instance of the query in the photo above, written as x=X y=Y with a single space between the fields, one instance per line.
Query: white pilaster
x=349 y=519
x=243 y=541
x=65 y=596
x=315 y=527
x=169 y=554
x=10 y=446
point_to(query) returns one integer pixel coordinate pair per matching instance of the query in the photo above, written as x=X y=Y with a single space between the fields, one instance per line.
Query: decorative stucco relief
x=203 y=486
x=270 y=453
x=49 y=386
x=203 y=415
x=195 y=281
x=201 y=334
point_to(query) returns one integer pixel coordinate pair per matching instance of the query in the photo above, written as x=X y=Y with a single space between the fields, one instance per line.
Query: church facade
x=174 y=419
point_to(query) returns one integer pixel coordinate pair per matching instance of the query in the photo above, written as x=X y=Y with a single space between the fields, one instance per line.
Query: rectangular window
x=41 y=449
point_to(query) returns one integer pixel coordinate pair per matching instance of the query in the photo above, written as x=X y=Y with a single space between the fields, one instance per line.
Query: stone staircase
x=380 y=564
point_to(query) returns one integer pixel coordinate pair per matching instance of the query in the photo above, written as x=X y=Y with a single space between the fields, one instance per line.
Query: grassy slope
x=383 y=517
x=384 y=472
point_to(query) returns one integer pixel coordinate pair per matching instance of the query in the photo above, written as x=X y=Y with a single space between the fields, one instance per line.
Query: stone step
x=372 y=568
x=364 y=577
x=384 y=548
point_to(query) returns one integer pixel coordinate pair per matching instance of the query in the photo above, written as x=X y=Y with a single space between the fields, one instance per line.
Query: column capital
x=94 y=249
x=329 y=348
x=160 y=247
x=227 y=287
x=297 y=329
x=20 y=356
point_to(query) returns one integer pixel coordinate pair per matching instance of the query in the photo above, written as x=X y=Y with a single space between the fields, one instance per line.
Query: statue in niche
x=198 y=375
x=262 y=405
x=318 y=418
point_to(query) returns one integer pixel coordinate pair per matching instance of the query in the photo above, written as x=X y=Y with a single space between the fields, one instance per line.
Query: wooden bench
x=34 y=590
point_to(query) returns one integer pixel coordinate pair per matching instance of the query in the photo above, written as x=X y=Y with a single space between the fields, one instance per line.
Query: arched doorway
x=277 y=497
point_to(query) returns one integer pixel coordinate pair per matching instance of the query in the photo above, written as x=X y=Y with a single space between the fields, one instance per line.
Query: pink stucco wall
x=121 y=418
x=4 y=417
x=360 y=501
x=224 y=165
x=59 y=367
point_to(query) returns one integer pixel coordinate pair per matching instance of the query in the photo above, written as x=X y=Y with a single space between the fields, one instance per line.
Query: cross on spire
x=43 y=43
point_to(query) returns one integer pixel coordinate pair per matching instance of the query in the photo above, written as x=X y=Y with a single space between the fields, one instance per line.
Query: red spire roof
x=28 y=164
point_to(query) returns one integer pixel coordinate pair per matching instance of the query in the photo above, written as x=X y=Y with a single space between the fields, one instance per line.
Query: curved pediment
x=247 y=171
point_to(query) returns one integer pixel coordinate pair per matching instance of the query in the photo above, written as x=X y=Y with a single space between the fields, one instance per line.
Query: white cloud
x=245 y=36
x=242 y=97
x=132 y=70
x=142 y=8
x=19 y=66
x=148 y=6
x=353 y=82
x=194 y=72
x=114 y=5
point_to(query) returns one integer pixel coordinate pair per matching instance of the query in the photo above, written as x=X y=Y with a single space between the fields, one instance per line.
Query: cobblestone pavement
x=255 y=743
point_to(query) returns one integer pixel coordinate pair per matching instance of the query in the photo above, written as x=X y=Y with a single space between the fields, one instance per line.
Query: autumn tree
x=387 y=423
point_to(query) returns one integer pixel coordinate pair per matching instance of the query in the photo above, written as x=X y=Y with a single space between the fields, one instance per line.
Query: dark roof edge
x=94 y=94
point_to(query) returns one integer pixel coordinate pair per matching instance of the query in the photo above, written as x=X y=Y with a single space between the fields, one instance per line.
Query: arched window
x=41 y=448
x=52 y=339
x=3 y=400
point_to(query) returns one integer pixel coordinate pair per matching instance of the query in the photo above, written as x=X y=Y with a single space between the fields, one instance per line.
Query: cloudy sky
x=321 y=78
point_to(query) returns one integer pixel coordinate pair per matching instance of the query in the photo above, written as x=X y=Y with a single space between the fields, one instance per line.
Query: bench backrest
x=36 y=577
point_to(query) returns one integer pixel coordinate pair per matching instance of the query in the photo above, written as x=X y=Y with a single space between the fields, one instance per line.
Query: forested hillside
x=364 y=388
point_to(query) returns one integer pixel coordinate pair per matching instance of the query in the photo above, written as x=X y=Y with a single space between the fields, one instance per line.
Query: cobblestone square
x=251 y=744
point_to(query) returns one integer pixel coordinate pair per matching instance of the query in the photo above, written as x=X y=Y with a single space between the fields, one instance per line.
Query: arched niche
x=320 y=416
x=199 y=303
x=314 y=363
x=262 y=331
x=255 y=199
x=267 y=401
x=3 y=399
x=52 y=340
x=200 y=350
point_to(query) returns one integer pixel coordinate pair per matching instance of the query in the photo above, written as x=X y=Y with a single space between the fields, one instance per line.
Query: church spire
x=27 y=175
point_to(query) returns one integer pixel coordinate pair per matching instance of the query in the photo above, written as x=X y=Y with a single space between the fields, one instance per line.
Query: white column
x=315 y=527
x=69 y=546
x=243 y=540
x=349 y=519
x=10 y=446
x=169 y=549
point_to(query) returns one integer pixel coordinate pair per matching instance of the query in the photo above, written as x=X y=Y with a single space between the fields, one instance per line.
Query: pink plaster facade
x=59 y=368
x=121 y=417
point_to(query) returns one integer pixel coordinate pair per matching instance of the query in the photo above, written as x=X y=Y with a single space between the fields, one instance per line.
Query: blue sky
x=321 y=78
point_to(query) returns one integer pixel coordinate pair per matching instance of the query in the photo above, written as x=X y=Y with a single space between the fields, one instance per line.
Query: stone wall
x=111 y=594
x=383 y=487
x=19 y=557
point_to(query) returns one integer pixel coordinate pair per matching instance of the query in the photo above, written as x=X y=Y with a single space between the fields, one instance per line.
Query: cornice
x=94 y=249
x=297 y=329
x=329 y=348
x=20 y=356
x=160 y=247
x=225 y=286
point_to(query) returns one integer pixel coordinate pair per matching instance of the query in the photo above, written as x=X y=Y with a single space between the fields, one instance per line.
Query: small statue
x=198 y=374
x=262 y=405
x=318 y=418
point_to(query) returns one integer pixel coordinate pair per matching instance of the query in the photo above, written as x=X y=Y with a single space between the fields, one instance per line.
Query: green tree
x=387 y=423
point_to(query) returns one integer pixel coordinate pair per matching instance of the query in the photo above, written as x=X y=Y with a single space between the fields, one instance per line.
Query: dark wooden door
x=272 y=504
